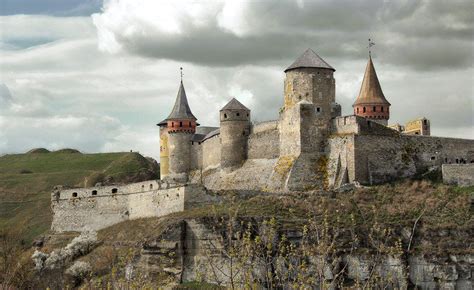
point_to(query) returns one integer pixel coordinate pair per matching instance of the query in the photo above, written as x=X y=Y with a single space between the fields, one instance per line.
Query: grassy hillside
x=26 y=181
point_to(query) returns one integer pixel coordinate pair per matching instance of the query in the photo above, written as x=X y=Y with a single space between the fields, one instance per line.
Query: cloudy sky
x=98 y=75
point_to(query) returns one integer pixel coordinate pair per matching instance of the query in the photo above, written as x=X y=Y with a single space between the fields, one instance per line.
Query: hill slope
x=26 y=181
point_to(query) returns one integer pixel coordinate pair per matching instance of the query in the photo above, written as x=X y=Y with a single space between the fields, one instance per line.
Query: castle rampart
x=95 y=208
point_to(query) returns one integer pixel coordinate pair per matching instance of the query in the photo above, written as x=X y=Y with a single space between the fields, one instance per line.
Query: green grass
x=26 y=182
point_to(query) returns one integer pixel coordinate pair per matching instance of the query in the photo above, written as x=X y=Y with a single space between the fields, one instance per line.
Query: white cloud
x=64 y=92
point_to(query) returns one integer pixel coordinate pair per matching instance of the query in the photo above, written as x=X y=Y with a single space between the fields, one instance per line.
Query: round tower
x=371 y=102
x=309 y=105
x=180 y=127
x=311 y=79
x=234 y=132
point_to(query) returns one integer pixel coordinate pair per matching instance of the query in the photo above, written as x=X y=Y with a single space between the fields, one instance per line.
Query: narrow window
x=151 y=186
x=114 y=190
x=445 y=159
x=425 y=122
x=457 y=160
x=189 y=124
x=433 y=158
x=357 y=110
x=172 y=124
x=247 y=114
x=318 y=109
x=381 y=109
x=143 y=187
x=238 y=114
x=181 y=124
x=374 y=108
x=94 y=192
x=225 y=116
x=363 y=109
x=74 y=194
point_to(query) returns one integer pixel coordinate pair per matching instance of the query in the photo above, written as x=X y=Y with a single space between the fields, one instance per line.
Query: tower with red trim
x=176 y=132
x=371 y=102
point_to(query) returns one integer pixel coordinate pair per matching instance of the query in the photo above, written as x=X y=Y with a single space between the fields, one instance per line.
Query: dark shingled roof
x=212 y=134
x=197 y=137
x=181 y=108
x=309 y=59
x=234 y=105
x=370 y=91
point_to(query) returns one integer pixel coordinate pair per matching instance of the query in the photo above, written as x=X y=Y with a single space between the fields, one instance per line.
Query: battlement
x=112 y=190
x=94 y=208
x=361 y=126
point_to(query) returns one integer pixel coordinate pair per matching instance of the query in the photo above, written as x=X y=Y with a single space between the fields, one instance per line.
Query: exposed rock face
x=79 y=246
x=192 y=251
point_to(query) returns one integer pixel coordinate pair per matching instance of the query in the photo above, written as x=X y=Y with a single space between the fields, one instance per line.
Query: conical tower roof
x=181 y=108
x=234 y=105
x=309 y=59
x=370 y=91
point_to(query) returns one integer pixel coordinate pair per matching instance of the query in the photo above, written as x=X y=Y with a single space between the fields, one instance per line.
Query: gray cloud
x=64 y=92
x=414 y=34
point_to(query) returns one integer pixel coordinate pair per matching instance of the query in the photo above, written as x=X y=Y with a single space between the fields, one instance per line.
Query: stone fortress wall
x=459 y=174
x=95 y=208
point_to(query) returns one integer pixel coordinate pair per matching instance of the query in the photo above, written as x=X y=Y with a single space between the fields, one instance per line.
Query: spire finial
x=181 y=72
x=371 y=43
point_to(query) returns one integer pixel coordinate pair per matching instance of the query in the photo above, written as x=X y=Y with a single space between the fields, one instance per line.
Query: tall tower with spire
x=371 y=102
x=176 y=132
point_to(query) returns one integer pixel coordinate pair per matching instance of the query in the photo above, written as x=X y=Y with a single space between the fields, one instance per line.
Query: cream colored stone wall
x=100 y=207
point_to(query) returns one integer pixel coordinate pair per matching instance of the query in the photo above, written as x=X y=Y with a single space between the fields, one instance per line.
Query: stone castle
x=310 y=147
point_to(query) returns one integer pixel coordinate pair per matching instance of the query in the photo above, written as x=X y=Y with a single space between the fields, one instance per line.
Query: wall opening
x=181 y=124
x=374 y=109
x=363 y=109
x=357 y=110
x=225 y=116
x=114 y=190
x=172 y=124
x=433 y=157
x=318 y=109
x=74 y=194
x=238 y=114
x=381 y=109
x=94 y=192
x=143 y=187
x=425 y=122
x=151 y=186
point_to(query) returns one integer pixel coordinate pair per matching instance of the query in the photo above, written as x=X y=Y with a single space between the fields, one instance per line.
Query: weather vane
x=371 y=43
x=181 y=72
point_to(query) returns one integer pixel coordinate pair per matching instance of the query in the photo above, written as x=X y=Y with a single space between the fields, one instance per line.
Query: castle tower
x=305 y=119
x=308 y=106
x=371 y=102
x=176 y=132
x=234 y=132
